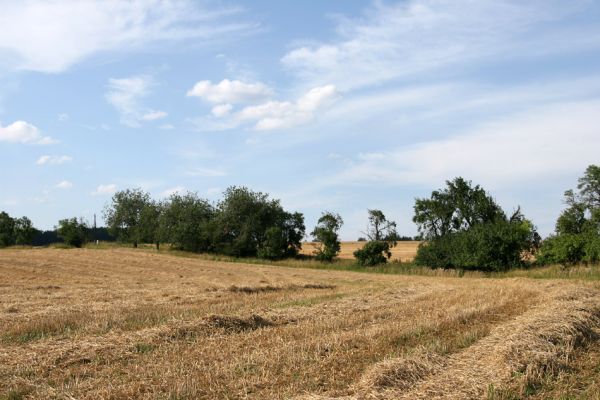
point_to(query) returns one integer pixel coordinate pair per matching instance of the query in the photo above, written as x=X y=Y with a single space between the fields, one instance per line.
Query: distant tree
x=382 y=235
x=458 y=207
x=7 y=230
x=465 y=228
x=124 y=213
x=24 y=231
x=150 y=222
x=185 y=222
x=244 y=224
x=326 y=236
x=577 y=237
x=361 y=239
x=72 y=231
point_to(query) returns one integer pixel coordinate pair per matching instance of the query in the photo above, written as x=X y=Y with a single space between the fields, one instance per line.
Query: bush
x=72 y=231
x=326 y=236
x=373 y=253
x=569 y=249
x=489 y=247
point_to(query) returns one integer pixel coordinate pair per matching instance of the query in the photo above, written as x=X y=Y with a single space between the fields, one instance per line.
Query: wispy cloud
x=23 y=132
x=64 y=185
x=107 y=189
x=411 y=38
x=53 y=160
x=228 y=91
x=126 y=96
x=52 y=36
x=205 y=172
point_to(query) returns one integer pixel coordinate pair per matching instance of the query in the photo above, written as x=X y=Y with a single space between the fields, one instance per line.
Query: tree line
x=461 y=226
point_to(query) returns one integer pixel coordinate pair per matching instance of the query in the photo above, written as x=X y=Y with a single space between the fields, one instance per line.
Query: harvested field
x=119 y=323
x=403 y=251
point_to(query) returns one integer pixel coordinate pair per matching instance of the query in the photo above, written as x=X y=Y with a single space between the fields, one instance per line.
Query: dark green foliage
x=15 y=231
x=72 y=231
x=454 y=209
x=326 y=236
x=7 y=230
x=466 y=229
x=185 y=222
x=489 y=247
x=124 y=215
x=242 y=220
x=24 y=231
x=148 y=227
x=577 y=236
x=373 y=253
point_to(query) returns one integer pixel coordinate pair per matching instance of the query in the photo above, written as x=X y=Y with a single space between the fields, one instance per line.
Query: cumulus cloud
x=228 y=91
x=51 y=36
x=23 y=132
x=126 y=94
x=278 y=115
x=399 y=40
x=271 y=114
x=105 y=189
x=53 y=160
x=64 y=185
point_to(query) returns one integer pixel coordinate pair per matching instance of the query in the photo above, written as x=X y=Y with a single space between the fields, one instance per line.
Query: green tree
x=150 y=222
x=72 y=231
x=577 y=237
x=382 y=236
x=458 y=207
x=185 y=222
x=124 y=213
x=7 y=230
x=24 y=231
x=243 y=219
x=326 y=236
x=465 y=228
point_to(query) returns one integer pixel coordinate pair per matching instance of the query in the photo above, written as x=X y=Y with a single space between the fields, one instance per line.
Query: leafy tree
x=149 y=223
x=373 y=253
x=186 y=222
x=326 y=236
x=24 y=231
x=124 y=214
x=456 y=208
x=72 y=231
x=243 y=219
x=465 y=228
x=7 y=230
x=382 y=235
x=577 y=237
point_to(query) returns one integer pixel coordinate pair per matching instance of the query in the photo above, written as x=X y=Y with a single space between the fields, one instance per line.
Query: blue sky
x=327 y=105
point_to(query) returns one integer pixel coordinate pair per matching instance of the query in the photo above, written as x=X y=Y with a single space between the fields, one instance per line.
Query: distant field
x=404 y=251
x=129 y=324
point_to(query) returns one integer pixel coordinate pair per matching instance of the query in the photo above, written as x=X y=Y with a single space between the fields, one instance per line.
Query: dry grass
x=403 y=251
x=120 y=323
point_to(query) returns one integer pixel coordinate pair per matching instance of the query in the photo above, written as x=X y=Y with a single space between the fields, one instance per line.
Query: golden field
x=403 y=251
x=135 y=324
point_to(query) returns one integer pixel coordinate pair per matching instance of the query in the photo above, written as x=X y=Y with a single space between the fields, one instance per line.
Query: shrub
x=72 y=231
x=569 y=249
x=373 y=253
x=326 y=236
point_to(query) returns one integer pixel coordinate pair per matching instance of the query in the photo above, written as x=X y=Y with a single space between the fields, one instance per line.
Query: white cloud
x=126 y=95
x=64 y=185
x=419 y=36
x=228 y=91
x=221 y=110
x=545 y=142
x=278 y=115
x=154 y=115
x=51 y=36
x=53 y=160
x=206 y=172
x=23 y=132
x=171 y=191
x=105 y=189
